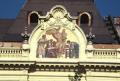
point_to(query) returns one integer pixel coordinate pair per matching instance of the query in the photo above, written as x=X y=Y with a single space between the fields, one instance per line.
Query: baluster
x=10 y=51
x=0 y=52
x=4 y=51
x=20 y=51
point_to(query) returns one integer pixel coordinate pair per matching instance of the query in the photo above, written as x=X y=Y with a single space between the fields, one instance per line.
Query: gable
x=57 y=34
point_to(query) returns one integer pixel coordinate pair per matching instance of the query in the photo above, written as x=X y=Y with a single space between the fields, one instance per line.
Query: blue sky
x=108 y=7
x=10 y=8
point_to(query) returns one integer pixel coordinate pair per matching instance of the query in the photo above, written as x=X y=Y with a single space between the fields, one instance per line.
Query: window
x=34 y=18
x=84 y=19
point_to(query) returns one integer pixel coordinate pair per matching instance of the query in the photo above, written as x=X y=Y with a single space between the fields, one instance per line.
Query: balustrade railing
x=12 y=49
x=103 y=54
x=11 y=52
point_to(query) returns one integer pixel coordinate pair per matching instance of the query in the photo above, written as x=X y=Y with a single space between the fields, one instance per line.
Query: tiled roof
x=5 y=25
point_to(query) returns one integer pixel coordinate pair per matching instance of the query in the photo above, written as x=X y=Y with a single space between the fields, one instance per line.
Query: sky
x=10 y=8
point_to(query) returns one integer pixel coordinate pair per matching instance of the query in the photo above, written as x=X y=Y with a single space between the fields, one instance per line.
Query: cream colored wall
x=6 y=75
x=103 y=76
x=56 y=76
x=50 y=76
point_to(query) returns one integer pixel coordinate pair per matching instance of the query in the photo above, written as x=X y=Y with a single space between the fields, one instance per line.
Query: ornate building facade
x=59 y=40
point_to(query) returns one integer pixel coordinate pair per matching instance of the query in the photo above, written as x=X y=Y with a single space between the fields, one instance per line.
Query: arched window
x=33 y=18
x=84 y=19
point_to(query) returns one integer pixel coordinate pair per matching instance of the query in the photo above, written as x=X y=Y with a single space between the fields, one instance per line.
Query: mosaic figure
x=42 y=46
x=50 y=49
